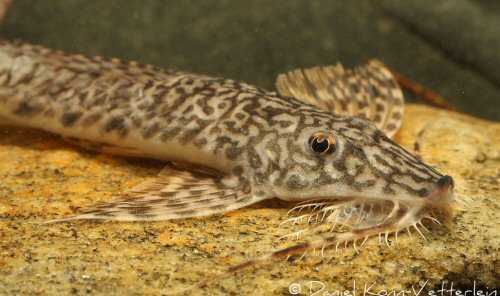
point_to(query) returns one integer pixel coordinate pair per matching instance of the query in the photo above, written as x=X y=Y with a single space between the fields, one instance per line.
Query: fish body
x=194 y=119
x=324 y=139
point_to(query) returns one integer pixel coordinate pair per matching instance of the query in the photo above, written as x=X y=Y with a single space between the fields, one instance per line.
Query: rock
x=43 y=178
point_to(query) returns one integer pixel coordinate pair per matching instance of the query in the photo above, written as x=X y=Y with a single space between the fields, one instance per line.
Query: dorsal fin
x=369 y=91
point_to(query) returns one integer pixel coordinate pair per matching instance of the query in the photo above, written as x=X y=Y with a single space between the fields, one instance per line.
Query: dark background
x=451 y=47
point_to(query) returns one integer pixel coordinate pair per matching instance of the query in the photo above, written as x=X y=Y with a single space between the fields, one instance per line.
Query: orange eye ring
x=322 y=143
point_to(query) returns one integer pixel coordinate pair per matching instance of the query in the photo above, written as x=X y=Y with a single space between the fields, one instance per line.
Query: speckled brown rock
x=42 y=178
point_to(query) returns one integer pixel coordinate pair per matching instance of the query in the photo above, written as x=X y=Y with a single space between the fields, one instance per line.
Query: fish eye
x=323 y=143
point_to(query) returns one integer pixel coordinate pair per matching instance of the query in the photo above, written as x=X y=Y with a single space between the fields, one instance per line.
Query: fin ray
x=174 y=194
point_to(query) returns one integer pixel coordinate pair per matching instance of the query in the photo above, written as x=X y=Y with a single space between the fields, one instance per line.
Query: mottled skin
x=256 y=143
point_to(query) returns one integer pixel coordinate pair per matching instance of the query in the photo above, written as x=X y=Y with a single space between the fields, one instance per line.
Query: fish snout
x=444 y=191
x=445 y=182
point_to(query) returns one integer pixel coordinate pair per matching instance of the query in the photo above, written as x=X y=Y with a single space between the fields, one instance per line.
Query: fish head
x=348 y=157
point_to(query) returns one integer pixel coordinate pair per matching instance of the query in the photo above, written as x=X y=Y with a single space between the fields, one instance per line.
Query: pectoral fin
x=368 y=91
x=177 y=192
